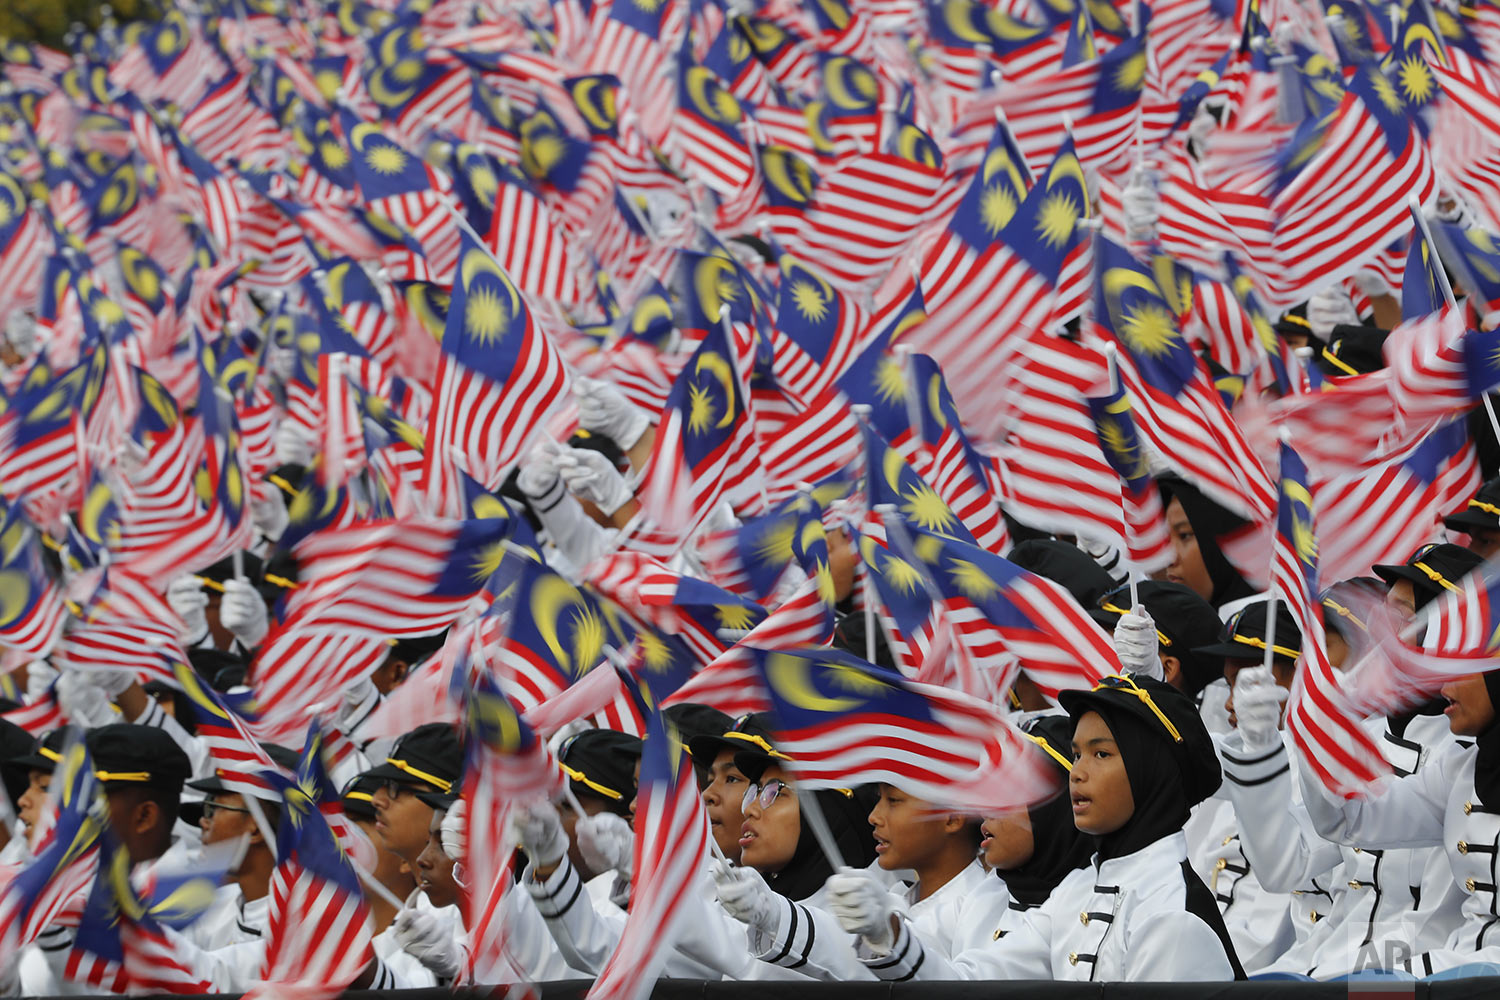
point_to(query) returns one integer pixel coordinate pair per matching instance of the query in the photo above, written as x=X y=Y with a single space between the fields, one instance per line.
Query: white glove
x=591 y=476
x=538 y=829
x=746 y=897
x=1257 y=708
x=293 y=444
x=1141 y=205
x=430 y=941
x=455 y=843
x=862 y=907
x=603 y=409
x=538 y=475
x=607 y=843
x=243 y=611
x=357 y=694
x=1328 y=309
x=1201 y=126
x=269 y=515
x=186 y=598
x=84 y=702
x=1371 y=283
x=20 y=332
x=1136 y=642
x=39 y=677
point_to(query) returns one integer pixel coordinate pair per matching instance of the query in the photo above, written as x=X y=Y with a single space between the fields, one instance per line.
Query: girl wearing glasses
x=1142 y=760
x=778 y=893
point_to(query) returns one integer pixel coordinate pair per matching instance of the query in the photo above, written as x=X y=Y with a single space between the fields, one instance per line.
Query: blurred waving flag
x=1320 y=714
x=498 y=376
x=1145 y=523
x=32 y=611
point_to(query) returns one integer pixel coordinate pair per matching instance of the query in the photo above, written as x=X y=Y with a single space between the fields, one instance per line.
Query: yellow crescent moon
x=999 y=160
x=649 y=309
x=916 y=146
x=787 y=174
x=1068 y=166
x=14 y=535
x=1166 y=283
x=958 y=15
x=1003 y=26
x=909 y=321
x=1105 y=16
x=549 y=596
x=161 y=402
x=812 y=533
x=487 y=505
x=935 y=399
x=335 y=283
x=1424 y=33
x=739 y=46
x=599 y=111
x=817 y=127
x=837 y=13
x=764 y=35
x=706 y=283
x=839 y=74
x=385 y=96
x=891 y=468
x=142 y=275
x=719 y=368
x=1118 y=280
x=476 y=262
x=789 y=678
x=706 y=95
x=15 y=589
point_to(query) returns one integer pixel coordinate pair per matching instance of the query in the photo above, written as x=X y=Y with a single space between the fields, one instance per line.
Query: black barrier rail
x=1478 y=988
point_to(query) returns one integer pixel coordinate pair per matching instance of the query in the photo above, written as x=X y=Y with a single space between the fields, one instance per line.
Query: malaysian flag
x=240 y=762
x=498 y=376
x=705 y=447
x=671 y=854
x=845 y=722
x=1177 y=406
x=706 y=140
x=32 y=610
x=505 y=765
x=1475 y=257
x=1145 y=523
x=1000 y=611
x=532 y=246
x=1319 y=713
x=22 y=235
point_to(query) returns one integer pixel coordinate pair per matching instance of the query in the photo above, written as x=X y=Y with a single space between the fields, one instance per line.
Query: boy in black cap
x=1432 y=570
x=1480 y=520
x=1242 y=646
x=1143 y=759
x=38 y=766
x=427 y=759
x=142 y=770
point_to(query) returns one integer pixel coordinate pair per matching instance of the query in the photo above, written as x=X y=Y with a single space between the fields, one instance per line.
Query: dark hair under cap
x=1210 y=523
x=15 y=743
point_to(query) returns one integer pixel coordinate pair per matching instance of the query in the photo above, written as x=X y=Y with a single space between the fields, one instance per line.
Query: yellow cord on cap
x=360 y=796
x=1333 y=359
x=1067 y=765
x=123 y=775
x=1488 y=508
x=1250 y=640
x=1435 y=576
x=431 y=779
x=1143 y=695
x=588 y=782
x=759 y=741
x=1115 y=609
x=51 y=755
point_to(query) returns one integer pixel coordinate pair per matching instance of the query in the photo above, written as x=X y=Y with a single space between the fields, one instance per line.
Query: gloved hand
x=1201 y=127
x=186 y=598
x=1141 y=205
x=1137 y=643
x=1328 y=309
x=1257 y=708
x=269 y=515
x=591 y=476
x=539 y=831
x=430 y=941
x=538 y=476
x=20 y=332
x=357 y=693
x=293 y=444
x=451 y=829
x=603 y=409
x=85 y=702
x=39 y=677
x=607 y=843
x=862 y=906
x=746 y=897
x=243 y=611
x=1371 y=283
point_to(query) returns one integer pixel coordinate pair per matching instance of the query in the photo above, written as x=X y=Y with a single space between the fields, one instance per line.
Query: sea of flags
x=867 y=270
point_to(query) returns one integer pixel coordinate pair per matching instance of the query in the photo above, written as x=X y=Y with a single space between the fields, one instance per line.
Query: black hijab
x=1210 y=523
x=1059 y=845
x=1157 y=784
x=809 y=868
x=1487 y=759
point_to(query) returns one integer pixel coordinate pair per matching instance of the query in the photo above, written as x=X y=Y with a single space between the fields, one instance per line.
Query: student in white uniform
x=392 y=873
x=1138 y=912
x=779 y=891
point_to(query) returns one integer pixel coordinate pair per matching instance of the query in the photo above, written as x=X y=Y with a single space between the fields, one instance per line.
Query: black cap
x=1166 y=711
x=1184 y=623
x=288 y=479
x=283 y=756
x=441 y=801
x=358 y=796
x=429 y=756
x=1244 y=635
x=1432 y=570
x=1482 y=511
x=1053 y=735
x=418 y=648
x=131 y=756
x=747 y=733
x=1293 y=322
x=1353 y=350
x=693 y=721
x=601 y=763
x=1067 y=565
x=15 y=743
x=44 y=753
x=222 y=670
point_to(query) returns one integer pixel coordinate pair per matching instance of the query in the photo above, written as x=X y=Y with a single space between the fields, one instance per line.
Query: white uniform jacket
x=1125 y=919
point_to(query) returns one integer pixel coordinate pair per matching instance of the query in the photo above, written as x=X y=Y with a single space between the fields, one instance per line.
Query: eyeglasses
x=764 y=794
x=211 y=807
x=394 y=789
